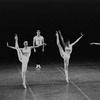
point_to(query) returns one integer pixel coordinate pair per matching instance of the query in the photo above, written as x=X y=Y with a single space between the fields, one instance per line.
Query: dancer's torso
x=38 y=40
x=26 y=51
x=68 y=51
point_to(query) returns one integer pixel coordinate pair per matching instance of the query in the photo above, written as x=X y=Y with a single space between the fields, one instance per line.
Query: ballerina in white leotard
x=65 y=54
x=23 y=56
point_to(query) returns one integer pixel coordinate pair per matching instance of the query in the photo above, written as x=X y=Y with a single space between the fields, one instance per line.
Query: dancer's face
x=25 y=44
x=38 y=32
x=68 y=43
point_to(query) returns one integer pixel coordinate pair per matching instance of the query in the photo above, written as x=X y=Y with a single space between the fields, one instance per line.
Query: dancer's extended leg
x=22 y=60
x=59 y=46
x=18 y=50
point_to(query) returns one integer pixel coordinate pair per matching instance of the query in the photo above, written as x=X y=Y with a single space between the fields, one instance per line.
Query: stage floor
x=49 y=83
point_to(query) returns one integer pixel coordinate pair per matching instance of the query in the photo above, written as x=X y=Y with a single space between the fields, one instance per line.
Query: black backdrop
x=24 y=17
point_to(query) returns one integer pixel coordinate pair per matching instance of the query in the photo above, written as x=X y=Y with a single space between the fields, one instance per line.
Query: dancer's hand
x=56 y=33
x=81 y=34
x=34 y=50
x=59 y=32
x=45 y=44
x=42 y=50
x=7 y=44
x=91 y=43
x=16 y=37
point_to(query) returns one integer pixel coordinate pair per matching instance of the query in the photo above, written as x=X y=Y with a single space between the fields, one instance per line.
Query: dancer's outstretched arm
x=77 y=40
x=95 y=43
x=62 y=38
x=16 y=43
x=10 y=46
x=32 y=47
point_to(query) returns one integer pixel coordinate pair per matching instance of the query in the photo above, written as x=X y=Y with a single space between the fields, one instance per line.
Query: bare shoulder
x=71 y=45
x=35 y=37
x=42 y=37
x=21 y=48
x=29 y=47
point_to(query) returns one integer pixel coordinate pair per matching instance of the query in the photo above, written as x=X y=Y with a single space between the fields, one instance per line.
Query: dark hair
x=25 y=42
x=38 y=30
x=67 y=42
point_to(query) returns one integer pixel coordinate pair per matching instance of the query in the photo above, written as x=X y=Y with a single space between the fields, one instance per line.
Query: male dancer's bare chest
x=39 y=41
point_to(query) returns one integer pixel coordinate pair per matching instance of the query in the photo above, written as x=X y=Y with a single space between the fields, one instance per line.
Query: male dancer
x=38 y=40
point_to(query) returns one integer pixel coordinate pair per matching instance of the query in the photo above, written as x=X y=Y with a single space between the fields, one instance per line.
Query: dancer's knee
x=24 y=68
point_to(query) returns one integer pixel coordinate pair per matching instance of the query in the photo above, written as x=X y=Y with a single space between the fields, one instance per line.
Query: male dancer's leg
x=38 y=56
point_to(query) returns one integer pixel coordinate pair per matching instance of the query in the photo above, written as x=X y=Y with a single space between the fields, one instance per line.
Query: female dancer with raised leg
x=23 y=55
x=65 y=54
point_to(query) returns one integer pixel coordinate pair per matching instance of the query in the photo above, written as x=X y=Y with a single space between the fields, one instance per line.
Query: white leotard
x=38 y=40
x=26 y=53
x=68 y=51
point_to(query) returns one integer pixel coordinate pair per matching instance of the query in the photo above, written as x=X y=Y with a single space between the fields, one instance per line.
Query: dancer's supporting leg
x=66 y=63
x=24 y=69
x=38 y=57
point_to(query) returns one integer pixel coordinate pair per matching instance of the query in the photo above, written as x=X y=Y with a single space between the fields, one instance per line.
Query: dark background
x=24 y=17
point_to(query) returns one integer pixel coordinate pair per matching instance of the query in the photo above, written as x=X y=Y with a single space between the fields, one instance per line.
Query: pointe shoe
x=67 y=80
x=24 y=85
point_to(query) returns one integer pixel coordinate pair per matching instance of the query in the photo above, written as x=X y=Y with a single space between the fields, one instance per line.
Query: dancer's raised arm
x=10 y=46
x=16 y=43
x=95 y=43
x=77 y=40
x=61 y=38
